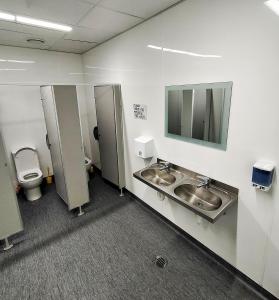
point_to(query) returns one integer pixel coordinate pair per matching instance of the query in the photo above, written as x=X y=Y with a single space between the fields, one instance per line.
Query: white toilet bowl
x=88 y=164
x=28 y=170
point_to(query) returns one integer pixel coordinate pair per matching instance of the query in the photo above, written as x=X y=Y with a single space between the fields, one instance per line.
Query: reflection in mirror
x=199 y=112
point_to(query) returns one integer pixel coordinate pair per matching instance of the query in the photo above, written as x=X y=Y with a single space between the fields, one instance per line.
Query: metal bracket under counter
x=208 y=198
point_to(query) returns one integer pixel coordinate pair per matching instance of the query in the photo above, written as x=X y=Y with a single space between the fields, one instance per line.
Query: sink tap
x=205 y=183
x=166 y=166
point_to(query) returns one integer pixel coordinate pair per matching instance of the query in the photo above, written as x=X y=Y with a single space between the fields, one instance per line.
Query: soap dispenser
x=262 y=175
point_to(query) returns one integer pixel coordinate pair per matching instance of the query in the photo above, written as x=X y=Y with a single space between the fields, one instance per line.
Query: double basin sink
x=206 y=197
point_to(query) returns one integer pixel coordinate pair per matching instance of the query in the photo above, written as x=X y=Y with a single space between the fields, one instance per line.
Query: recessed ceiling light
x=6 y=16
x=273 y=5
x=42 y=23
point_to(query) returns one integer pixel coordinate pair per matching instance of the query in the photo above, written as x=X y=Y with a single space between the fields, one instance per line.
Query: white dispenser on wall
x=144 y=146
x=262 y=175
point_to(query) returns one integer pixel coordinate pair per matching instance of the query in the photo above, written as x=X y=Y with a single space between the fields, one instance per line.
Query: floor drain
x=161 y=261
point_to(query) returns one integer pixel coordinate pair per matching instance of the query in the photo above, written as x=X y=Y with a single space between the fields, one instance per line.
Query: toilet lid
x=25 y=159
x=29 y=175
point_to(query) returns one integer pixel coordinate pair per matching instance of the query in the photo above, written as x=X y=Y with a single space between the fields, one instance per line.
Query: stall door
x=105 y=110
x=53 y=140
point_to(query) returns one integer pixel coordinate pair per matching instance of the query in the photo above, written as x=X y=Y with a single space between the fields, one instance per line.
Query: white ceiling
x=93 y=21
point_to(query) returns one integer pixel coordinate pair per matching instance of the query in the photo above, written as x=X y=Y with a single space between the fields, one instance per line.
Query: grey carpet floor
x=108 y=254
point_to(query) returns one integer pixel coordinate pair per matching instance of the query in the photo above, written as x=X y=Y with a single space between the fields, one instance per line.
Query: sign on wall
x=140 y=111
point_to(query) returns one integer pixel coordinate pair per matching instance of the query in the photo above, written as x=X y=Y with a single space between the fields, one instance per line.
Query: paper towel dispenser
x=144 y=146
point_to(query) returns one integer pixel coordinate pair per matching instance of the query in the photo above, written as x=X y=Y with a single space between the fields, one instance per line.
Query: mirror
x=199 y=113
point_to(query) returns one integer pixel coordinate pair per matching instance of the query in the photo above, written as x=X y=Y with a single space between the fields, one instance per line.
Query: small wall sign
x=140 y=111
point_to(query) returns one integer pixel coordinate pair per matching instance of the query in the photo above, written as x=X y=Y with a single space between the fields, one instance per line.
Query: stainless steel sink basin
x=200 y=197
x=159 y=177
x=204 y=196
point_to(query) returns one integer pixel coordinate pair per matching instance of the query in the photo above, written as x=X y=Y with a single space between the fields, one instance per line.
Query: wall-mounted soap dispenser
x=144 y=146
x=262 y=175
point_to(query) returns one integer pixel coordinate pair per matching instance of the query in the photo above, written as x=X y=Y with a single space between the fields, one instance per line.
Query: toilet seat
x=28 y=171
x=30 y=175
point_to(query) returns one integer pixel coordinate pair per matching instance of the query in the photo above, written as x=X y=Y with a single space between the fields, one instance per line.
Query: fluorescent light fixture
x=17 y=61
x=273 y=5
x=6 y=16
x=183 y=52
x=42 y=23
x=34 y=22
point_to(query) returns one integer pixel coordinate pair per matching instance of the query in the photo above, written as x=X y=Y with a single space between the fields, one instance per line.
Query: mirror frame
x=227 y=86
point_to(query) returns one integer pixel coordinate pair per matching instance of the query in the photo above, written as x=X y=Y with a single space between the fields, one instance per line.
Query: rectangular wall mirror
x=199 y=113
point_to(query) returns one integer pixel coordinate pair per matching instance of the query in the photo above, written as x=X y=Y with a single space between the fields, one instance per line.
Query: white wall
x=21 y=113
x=245 y=34
x=49 y=67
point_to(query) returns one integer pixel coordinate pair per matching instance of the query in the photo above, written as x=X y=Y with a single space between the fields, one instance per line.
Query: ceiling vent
x=35 y=41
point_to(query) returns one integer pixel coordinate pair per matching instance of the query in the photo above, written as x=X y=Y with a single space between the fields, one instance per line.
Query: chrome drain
x=161 y=261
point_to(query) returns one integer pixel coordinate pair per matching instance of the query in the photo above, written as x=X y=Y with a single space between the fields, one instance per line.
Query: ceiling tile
x=72 y=46
x=50 y=36
x=142 y=8
x=12 y=38
x=93 y=21
x=90 y=34
x=60 y=11
x=105 y=19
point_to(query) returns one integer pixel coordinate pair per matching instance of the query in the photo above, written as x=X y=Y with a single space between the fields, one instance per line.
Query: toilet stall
x=42 y=137
x=64 y=141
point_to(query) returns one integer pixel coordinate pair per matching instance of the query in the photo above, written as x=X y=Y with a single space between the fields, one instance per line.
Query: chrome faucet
x=166 y=166
x=205 y=183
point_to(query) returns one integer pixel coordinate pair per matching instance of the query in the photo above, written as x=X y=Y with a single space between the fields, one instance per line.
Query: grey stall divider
x=10 y=218
x=65 y=143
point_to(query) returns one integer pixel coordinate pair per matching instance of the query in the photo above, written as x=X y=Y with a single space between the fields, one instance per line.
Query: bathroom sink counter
x=182 y=186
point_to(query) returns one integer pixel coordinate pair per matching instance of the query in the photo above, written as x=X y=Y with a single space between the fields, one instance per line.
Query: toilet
x=28 y=171
x=88 y=164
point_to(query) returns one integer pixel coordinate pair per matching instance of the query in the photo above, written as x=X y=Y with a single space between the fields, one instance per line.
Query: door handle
x=96 y=133
x=47 y=141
